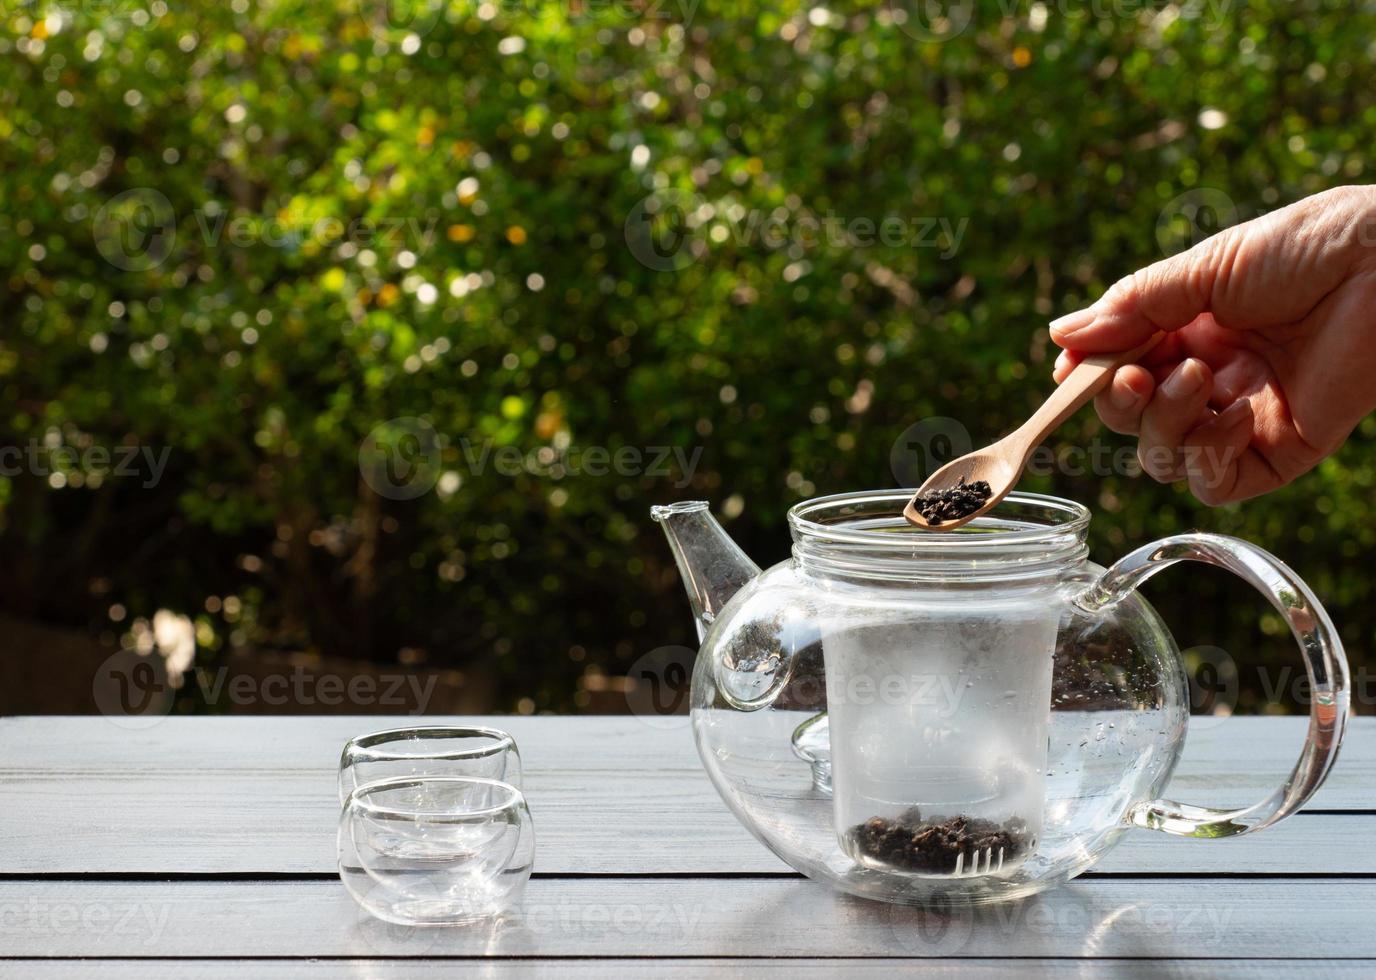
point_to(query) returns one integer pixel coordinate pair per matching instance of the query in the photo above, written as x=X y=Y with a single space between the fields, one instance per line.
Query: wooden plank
x=83 y=744
x=1128 y=918
x=1233 y=759
x=650 y=823
x=623 y=823
x=671 y=969
x=610 y=795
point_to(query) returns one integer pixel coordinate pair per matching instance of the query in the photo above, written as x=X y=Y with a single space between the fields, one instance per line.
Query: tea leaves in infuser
x=936 y=846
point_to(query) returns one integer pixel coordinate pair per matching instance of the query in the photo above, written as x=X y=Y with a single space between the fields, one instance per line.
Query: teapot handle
x=1320 y=648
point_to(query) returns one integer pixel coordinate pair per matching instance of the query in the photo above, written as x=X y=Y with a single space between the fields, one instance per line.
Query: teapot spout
x=713 y=566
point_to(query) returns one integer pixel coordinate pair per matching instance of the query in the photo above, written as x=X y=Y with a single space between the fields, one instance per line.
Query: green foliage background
x=515 y=139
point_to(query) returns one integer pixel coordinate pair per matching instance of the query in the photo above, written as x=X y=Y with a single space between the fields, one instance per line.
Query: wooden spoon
x=1001 y=464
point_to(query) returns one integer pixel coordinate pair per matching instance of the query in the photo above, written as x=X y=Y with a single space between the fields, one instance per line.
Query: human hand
x=1269 y=358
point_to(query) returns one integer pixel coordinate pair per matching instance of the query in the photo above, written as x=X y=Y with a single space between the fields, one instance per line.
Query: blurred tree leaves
x=254 y=232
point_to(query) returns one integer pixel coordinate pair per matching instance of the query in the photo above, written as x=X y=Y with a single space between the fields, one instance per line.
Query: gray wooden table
x=192 y=846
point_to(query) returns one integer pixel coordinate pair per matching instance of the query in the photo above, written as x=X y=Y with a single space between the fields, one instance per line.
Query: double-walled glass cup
x=484 y=753
x=435 y=850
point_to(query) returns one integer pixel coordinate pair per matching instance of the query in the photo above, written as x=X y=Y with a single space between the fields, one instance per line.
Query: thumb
x=1167 y=295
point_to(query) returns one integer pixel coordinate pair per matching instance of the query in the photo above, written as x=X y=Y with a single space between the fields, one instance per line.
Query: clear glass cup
x=483 y=753
x=435 y=850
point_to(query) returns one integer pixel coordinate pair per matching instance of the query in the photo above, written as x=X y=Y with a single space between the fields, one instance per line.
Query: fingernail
x=1072 y=322
x=1235 y=414
x=1123 y=398
x=1184 y=380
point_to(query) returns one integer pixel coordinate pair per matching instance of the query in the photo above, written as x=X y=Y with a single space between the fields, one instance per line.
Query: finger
x=1066 y=361
x=1165 y=355
x=1215 y=452
x=1120 y=405
x=1180 y=404
x=1170 y=352
x=1266 y=272
x=1276 y=452
x=1166 y=295
x=1256 y=475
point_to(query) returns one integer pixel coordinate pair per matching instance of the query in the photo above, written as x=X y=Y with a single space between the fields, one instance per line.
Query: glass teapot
x=974 y=715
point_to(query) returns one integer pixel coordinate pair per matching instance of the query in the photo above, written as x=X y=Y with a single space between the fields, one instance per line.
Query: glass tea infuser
x=976 y=713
